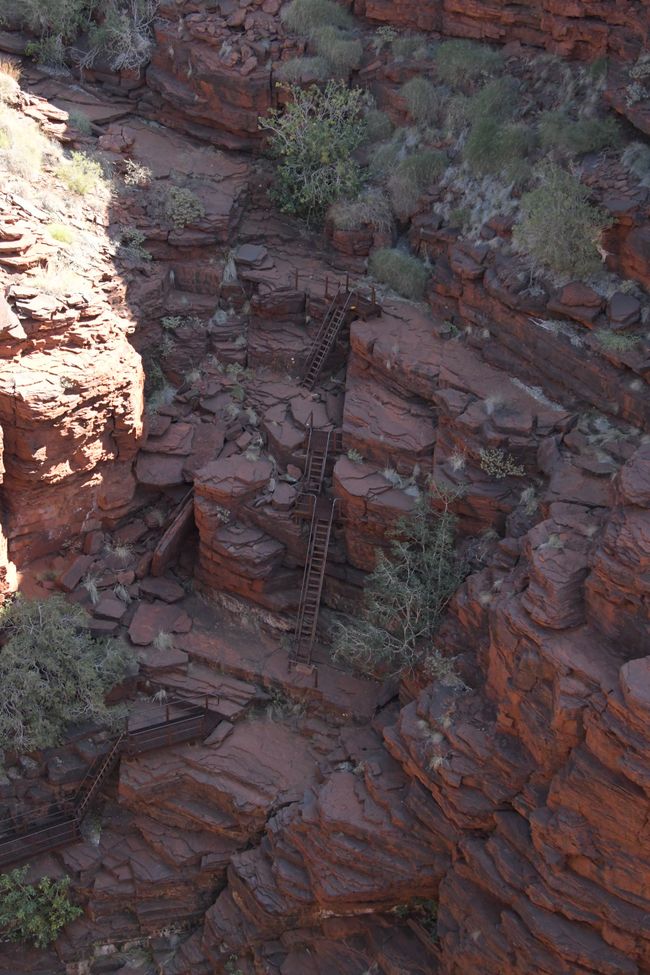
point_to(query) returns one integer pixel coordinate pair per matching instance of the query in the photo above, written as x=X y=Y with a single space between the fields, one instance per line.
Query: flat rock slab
x=160 y=588
x=110 y=608
x=153 y=618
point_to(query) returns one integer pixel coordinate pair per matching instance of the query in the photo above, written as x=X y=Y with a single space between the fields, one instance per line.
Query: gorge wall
x=515 y=794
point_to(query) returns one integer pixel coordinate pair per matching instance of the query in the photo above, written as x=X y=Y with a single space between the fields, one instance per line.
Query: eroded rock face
x=70 y=382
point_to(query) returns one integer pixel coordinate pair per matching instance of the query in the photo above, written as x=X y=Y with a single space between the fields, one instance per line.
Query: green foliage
x=494 y=147
x=61 y=233
x=577 y=136
x=303 y=69
x=132 y=245
x=407 y=593
x=80 y=173
x=314 y=140
x=370 y=209
x=410 y=46
x=412 y=177
x=79 y=121
x=305 y=16
x=378 y=125
x=401 y=272
x=499 y=464
x=52 y=672
x=341 y=52
x=423 y=99
x=123 y=37
x=613 y=342
x=559 y=227
x=180 y=206
x=498 y=99
x=35 y=913
x=461 y=60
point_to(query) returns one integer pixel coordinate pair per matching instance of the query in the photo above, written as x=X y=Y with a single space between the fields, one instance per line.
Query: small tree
x=314 y=139
x=559 y=227
x=52 y=672
x=34 y=913
x=408 y=591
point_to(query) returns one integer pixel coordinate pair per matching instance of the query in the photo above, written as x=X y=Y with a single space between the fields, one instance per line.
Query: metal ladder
x=326 y=336
x=312 y=580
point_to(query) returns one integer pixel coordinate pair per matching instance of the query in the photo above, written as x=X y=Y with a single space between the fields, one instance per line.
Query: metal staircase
x=31 y=830
x=312 y=580
x=323 y=343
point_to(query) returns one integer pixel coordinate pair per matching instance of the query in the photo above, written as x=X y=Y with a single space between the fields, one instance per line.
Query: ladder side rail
x=321 y=577
x=305 y=577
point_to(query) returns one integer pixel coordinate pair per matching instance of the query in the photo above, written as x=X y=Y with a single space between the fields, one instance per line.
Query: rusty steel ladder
x=326 y=336
x=312 y=580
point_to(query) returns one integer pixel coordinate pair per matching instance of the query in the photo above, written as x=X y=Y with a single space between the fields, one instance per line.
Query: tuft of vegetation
x=423 y=99
x=613 y=342
x=371 y=209
x=24 y=149
x=498 y=464
x=52 y=672
x=341 y=52
x=136 y=174
x=636 y=158
x=407 y=593
x=577 y=136
x=559 y=227
x=412 y=177
x=79 y=121
x=493 y=147
x=34 y=913
x=407 y=47
x=401 y=272
x=80 y=173
x=123 y=37
x=378 y=125
x=179 y=206
x=306 y=16
x=61 y=233
x=460 y=60
x=132 y=247
x=498 y=99
x=314 y=140
x=303 y=69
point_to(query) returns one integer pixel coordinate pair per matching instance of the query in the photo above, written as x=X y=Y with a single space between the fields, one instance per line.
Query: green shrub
x=378 y=125
x=79 y=121
x=460 y=60
x=407 y=46
x=132 y=245
x=124 y=35
x=401 y=272
x=559 y=227
x=52 y=673
x=180 y=206
x=314 y=140
x=406 y=594
x=386 y=156
x=371 y=209
x=412 y=177
x=423 y=100
x=342 y=52
x=305 y=16
x=303 y=69
x=577 y=136
x=499 y=464
x=494 y=147
x=498 y=99
x=80 y=173
x=34 y=913
x=61 y=233
x=613 y=342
